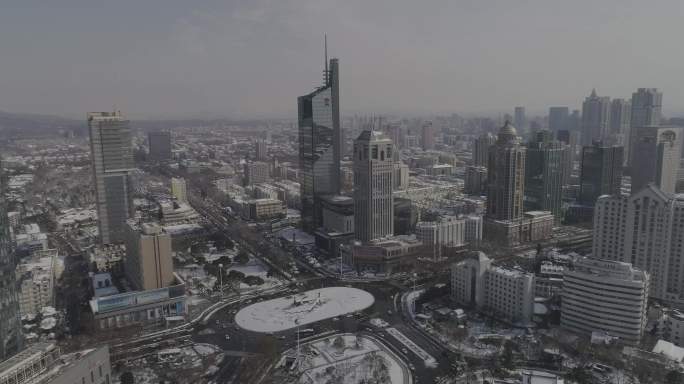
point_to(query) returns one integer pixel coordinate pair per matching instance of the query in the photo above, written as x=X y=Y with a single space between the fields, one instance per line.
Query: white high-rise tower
x=373 y=186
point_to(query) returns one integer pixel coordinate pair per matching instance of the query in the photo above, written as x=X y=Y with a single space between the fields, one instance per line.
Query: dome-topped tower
x=508 y=134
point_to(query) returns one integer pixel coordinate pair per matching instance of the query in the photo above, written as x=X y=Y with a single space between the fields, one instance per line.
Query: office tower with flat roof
x=645 y=229
x=506 y=176
x=428 y=136
x=481 y=147
x=646 y=112
x=319 y=145
x=160 y=145
x=544 y=169
x=149 y=263
x=373 y=186
x=600 y=172
x=620 y=114
x=605 y=296
x=112 y=161
x=558 y=119
x=595 y=118
x=659 y=150
x=520 y=119
x=10 y=324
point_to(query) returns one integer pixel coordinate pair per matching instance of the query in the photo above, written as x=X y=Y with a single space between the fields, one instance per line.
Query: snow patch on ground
x=348 y=359
x=309 y=307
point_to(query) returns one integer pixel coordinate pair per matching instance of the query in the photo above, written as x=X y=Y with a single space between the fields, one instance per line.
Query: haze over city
x=341 y=192
x=241 y=59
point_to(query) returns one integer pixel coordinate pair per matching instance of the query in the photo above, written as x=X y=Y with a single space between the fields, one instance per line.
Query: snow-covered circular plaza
x=308 y=307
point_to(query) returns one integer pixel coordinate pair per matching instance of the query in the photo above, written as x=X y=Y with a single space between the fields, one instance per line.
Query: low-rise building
x=608 y=296
x=108 y=258
x=385 y=256
x=449 y=231
x=43 y=363
x=532 y=227
x=263 y=209
x=139 y=307
x=673 y=327
x=505 y=293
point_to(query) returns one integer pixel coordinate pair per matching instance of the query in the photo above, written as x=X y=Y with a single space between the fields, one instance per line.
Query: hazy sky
x=245 y=58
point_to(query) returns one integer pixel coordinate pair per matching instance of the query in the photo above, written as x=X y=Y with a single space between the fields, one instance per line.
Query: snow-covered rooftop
x=309 y=307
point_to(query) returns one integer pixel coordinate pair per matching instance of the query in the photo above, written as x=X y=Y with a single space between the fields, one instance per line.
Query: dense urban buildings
x=319 y=145
x=646 y=230
x=373 y=186
x=605 y=296
x=600 y=172
x=112 y=161
x=160 y=145
x=10 y=326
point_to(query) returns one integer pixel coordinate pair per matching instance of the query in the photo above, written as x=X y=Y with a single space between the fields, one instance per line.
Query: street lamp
x=221 y=278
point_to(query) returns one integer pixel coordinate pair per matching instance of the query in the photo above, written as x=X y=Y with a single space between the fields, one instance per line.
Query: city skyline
x=228 y=60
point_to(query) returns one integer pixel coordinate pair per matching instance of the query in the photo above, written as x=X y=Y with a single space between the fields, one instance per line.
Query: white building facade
x=605 y=296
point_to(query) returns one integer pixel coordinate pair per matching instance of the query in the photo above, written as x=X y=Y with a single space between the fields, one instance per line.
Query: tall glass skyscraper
x=112 y=158
x=319 y=146
x=10 y=324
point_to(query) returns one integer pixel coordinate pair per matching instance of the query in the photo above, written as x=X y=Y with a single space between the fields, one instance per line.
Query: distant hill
x=21 y=124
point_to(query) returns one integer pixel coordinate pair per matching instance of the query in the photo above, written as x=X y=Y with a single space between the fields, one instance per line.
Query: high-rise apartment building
x=112 y=160
x=595 y=118
x=481 y=149
x=600 y=172
x=646 y=230
x=160 y=145
x=428 y=136
x=373 y=186
x=519 y=118
x=544 y=174
x=659 y=150
x=179 y=189
x=256 y=172
x=506 y=176
x=319 y=146
x=10 y=324
x=646 y=112
x=558 y=119
x=571 y=140
x=605 y=296
x=261 y=150
x=149 y=263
